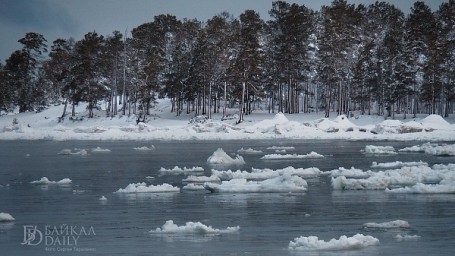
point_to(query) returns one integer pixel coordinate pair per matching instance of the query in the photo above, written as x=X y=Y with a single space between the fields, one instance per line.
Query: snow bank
x=397 y=164
x=6 y=217
x=371 y=149
x=280 y=184
x=390 y=224
x=220 y=157
x=177 y=170
x=312 y=155
x=312 y=243
x=143 y=188
x=433 y=149
x=393 y=178
x=436 y=122
x=339 y=123
x=278 y=125
x=46 y=181
x=77 y=151
x=263 y=174
x=192 y=228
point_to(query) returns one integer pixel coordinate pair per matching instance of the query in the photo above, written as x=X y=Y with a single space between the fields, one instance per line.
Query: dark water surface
x=267 y=222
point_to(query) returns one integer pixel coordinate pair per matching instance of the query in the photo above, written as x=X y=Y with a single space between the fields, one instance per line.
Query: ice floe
x=191 y=228
x=220 y=157
x=249 y=151
x=312 y=243
x=145 y=148
x=421 y=188
x=349 y=173
x=263 y=174
x=6 y=217
x=311 y=155
x=103 y=198
x=194 y=187
x=77 y=151
x=433 y=149
x=401 y=238
x=178 y=170
x=202 y=179
x=100 y=150
x=397 y=164
x=281 y=148
x=280 y=184
x=46 y=181
x=390 y=224
x=143 y=188
x=377 y=150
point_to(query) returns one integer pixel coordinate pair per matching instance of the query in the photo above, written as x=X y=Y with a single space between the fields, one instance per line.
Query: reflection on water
x=267 y=221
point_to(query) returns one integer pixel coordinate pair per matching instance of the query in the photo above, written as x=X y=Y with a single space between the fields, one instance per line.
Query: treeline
x=373 y=59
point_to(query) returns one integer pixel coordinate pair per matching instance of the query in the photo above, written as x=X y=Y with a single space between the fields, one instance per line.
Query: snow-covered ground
x=164 y=125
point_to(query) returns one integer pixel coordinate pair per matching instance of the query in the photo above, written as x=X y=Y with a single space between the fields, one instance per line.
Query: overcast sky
x=74 y=18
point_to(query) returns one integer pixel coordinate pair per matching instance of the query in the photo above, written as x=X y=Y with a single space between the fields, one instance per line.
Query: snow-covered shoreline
x=164 y=126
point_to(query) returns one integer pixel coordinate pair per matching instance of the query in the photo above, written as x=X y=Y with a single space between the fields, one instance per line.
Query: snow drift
x=6 y=217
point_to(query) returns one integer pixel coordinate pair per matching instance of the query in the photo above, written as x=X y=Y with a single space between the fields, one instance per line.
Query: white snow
x=311 y=155
x=202 y=179
x=421 y=188
x=103 y=198
x=193 y=187
x=280 y=184
x=46 y=181
x=220 y=157
x=281 y=148
x=312 y=243
x=143 y=188
x=259 y=125
x=192 y=228
x=77 y=151
x=6 y=217
x=178 y=170
x=371 y=149
x=349 y=173
x=145 y=148
x=390 y=224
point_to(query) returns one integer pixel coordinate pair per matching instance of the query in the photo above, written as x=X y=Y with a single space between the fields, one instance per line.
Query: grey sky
x=74 y=18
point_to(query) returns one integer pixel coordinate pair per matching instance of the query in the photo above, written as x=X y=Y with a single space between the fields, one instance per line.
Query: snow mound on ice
x=192 y=228
x=280 y=184
x=312 y=243
x=6 y=217
x=177 y=170
x=312 y=155
x=263 y=174
x=377 y=150
x=349 y=173
x=436 y=122
x=46 y=181
x=220 y=157
x=390 y=224
x=143 y=188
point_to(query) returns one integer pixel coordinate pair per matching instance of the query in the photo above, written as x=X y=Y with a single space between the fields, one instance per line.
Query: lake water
x=121 y=225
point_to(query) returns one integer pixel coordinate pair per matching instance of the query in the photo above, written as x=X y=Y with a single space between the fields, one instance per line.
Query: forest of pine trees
x=343 y=58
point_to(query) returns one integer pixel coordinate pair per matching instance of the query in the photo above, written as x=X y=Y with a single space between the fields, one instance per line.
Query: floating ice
x=371 y=149
x=77 y=151
x=312 y=243
x=349 y=173
x=390 y=224
x=177 y=170
x=103 y=198
x=46 y=181
x=397 y=164
x=6 y=217
x=193 y=187
x=401 y=238
x=280 y=184
x=220 y=157
x=433 y=149
x=145 y=148
x=143 y=188
x=192 y=228
x=249 y=151
x=311 y=155
x=100 y=150
x=420 y=188
x=281 y=148
x=263 y=174
x=202 y=179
